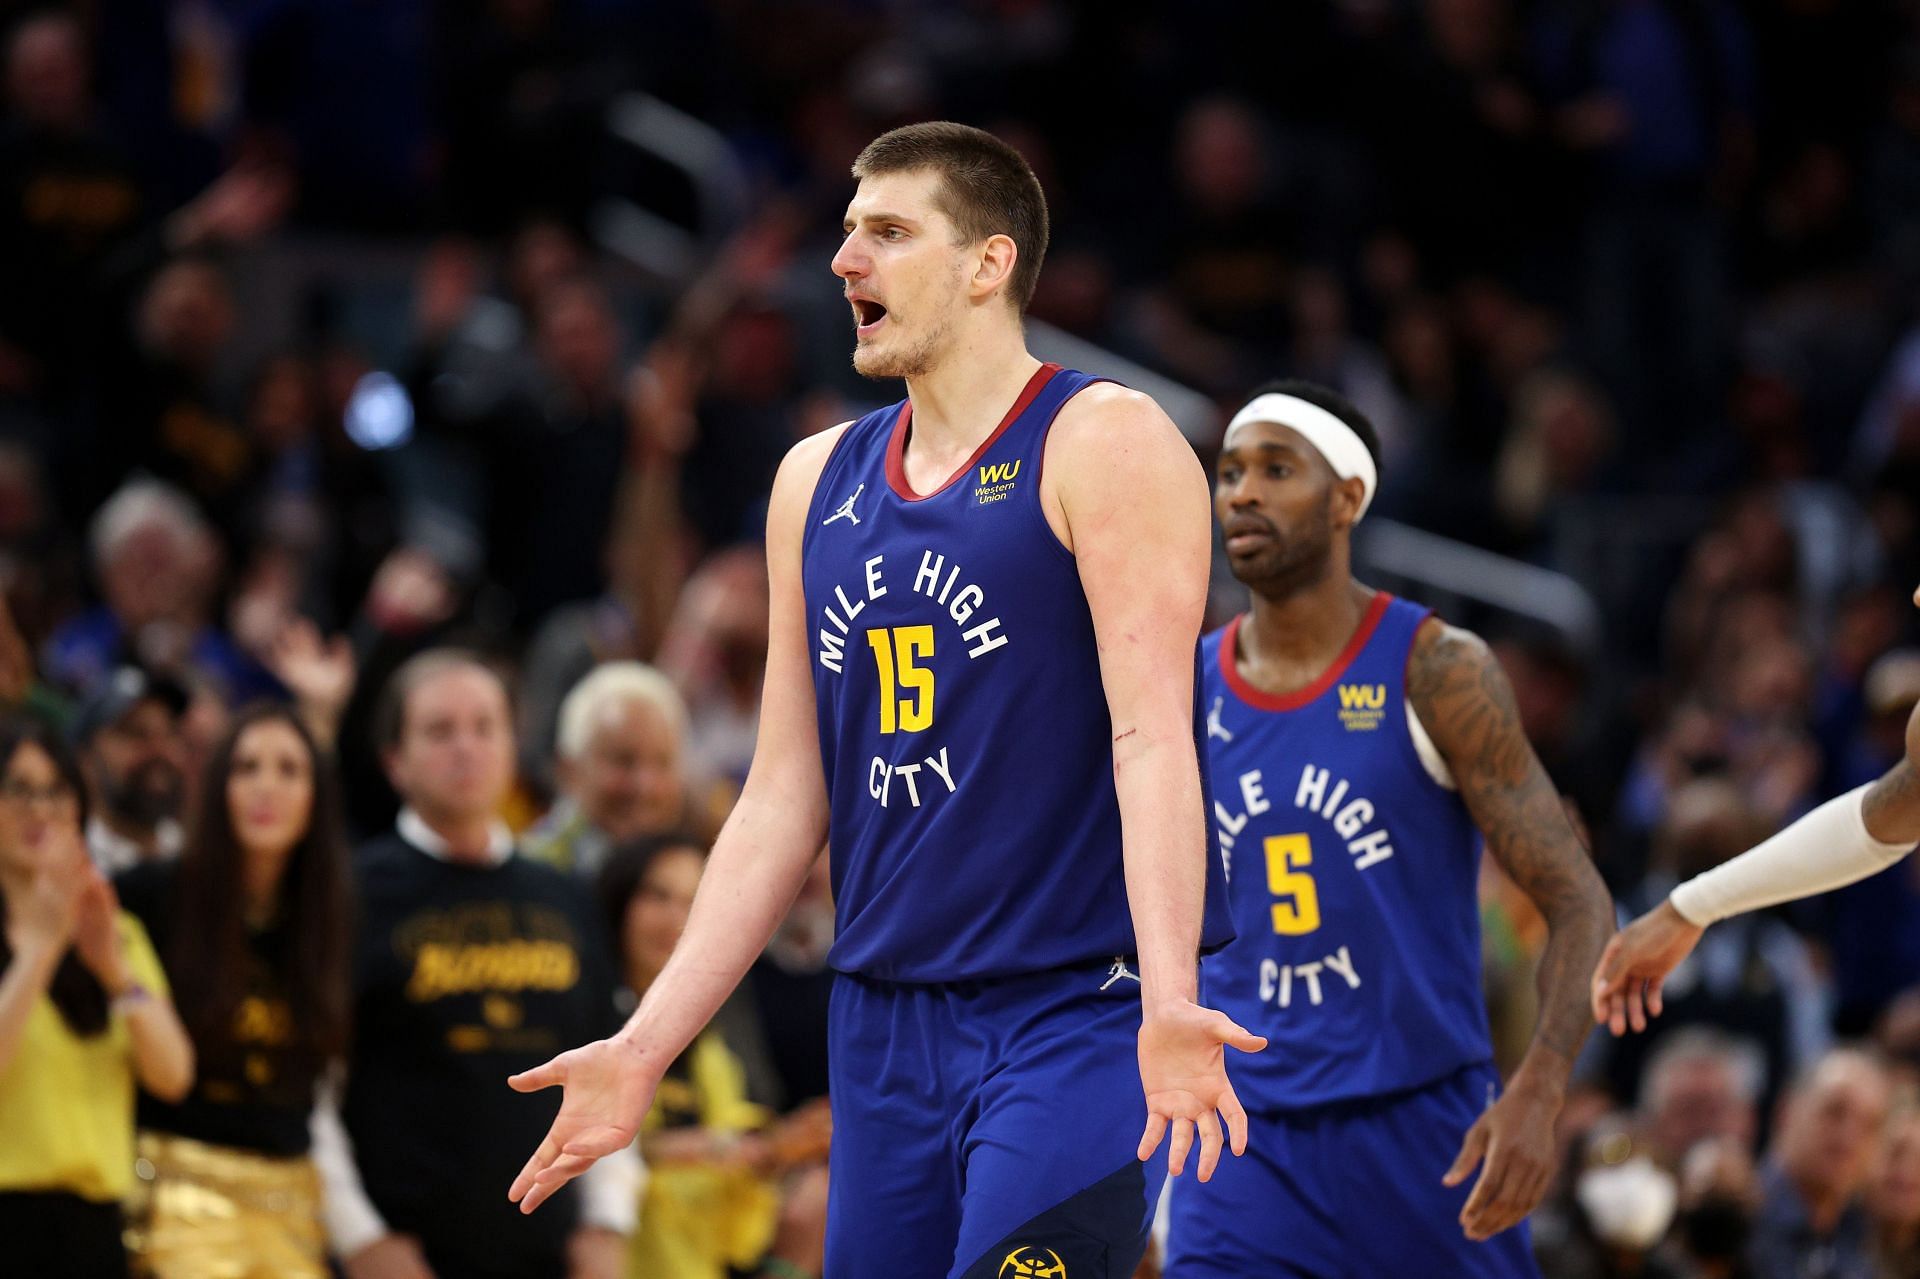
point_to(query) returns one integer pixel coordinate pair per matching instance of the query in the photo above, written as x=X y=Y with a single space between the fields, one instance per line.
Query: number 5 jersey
x=1352 y=878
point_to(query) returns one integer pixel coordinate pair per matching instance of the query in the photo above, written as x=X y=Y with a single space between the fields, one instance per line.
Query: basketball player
x=1843 y=841
x=981 y=690
x=1361 y=753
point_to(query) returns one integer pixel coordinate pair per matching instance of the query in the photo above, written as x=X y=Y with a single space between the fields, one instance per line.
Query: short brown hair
x=986 y=188
x=390 y=712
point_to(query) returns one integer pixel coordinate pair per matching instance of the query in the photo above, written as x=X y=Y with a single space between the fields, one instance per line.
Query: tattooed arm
x=1466 y=705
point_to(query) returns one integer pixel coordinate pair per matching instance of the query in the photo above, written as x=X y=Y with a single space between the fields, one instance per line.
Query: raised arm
x=39 y=923
x=1133 y=499
x=753 y=874
x=1466 y=704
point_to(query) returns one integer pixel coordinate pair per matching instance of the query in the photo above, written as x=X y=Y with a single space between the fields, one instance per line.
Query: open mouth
x=867 y=316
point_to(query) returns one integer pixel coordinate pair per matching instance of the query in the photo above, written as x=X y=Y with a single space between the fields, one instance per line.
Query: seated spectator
x=1897 y=1037
x=84 y=1015
x=252 y=922
x=713 y=1154
x=1622 y=1206
x=1893 y=1196
x=1812 y=1220
x=1700 y=1085
x=1719 y=1195
x=471 y=963
x=130 y=741
x=157 y=563
x=620 y=765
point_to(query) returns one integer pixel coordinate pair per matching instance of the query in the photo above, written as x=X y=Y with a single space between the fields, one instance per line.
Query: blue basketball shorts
x=988 y=1129
x=1350 y=1190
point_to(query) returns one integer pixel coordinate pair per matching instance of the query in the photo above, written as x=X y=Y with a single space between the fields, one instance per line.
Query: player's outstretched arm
x=1843 y=841
x=1134 y=500
x=753 y=874
x=1466 y=704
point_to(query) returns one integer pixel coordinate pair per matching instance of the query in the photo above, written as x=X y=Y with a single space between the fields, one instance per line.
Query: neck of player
x=958 y=403
x=1294 y=632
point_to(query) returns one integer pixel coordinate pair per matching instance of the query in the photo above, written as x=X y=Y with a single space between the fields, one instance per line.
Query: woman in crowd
x=84 y=1015
x=715 y=1157
x=253 y=924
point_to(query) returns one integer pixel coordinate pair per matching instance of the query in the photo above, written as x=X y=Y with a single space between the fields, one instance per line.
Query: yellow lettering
x=1363 y=696
x=440 y=970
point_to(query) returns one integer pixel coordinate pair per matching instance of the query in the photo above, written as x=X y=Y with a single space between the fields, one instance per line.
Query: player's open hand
x=1512 y=1142
x=1626 y=985
x=606 y=1087
x=1183 y=1070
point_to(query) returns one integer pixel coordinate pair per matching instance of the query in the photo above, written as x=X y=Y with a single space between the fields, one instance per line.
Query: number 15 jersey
x=1352 y=875
x=975 y=829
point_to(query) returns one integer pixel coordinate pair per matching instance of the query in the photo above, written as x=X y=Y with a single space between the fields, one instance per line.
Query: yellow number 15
x=895 y=651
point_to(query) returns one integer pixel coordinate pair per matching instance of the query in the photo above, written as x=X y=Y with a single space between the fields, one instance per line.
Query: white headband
x=1336 y=440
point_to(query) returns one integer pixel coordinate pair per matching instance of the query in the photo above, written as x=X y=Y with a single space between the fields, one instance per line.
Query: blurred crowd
x=373 y=479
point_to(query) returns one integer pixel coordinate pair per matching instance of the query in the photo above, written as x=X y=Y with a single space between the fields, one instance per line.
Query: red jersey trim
x=897 y=445
x=1230 y=662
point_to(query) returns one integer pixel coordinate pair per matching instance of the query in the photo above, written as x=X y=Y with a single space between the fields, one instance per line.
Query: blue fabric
x=87 y=648
x=1348 y=1191
x=1353 y=881
x=981 y=1125
x=963 y=724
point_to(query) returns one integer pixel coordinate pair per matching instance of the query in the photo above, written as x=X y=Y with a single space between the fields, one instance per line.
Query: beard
x=906 y=358
x=148 y=795
x=1295 y=560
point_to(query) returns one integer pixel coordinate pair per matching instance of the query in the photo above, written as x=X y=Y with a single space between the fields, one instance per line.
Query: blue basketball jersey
x=1352 y=877
x=975 y=831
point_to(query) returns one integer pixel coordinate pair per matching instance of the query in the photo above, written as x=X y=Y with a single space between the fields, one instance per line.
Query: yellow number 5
x=894 y=652
x=1299 y=911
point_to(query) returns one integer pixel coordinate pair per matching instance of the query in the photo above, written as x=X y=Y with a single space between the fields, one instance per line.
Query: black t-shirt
x=255 y=1090
x=465 y=975
x=792 y=1011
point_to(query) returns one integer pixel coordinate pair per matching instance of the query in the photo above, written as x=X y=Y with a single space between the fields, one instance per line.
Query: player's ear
x=993 y=269
x=1348 y=494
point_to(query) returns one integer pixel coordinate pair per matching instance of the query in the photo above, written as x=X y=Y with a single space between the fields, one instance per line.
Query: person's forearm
x=1577 y=932
x=346 y=1212
x=1834 y=845
x=162 y=1050
x=1891 y=808
x=26 y=978
x=752 y=876
x=1163 y=843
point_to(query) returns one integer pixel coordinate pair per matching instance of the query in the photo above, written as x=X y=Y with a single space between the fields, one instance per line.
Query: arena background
x=490 y=321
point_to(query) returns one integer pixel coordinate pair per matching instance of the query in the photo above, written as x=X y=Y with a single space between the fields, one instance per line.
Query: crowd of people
x=387 y=655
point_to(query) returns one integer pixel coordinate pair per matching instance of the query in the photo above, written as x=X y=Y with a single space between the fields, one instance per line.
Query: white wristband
x=1828 y=848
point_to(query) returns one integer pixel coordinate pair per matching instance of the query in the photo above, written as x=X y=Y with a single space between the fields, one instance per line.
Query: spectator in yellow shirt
x=710 y=1204
x=84 y=1015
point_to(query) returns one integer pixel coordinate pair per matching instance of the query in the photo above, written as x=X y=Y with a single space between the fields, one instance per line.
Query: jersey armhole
x=846 y=430
x=1430 y=757
x=1038 y=504
x=1432 y=762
